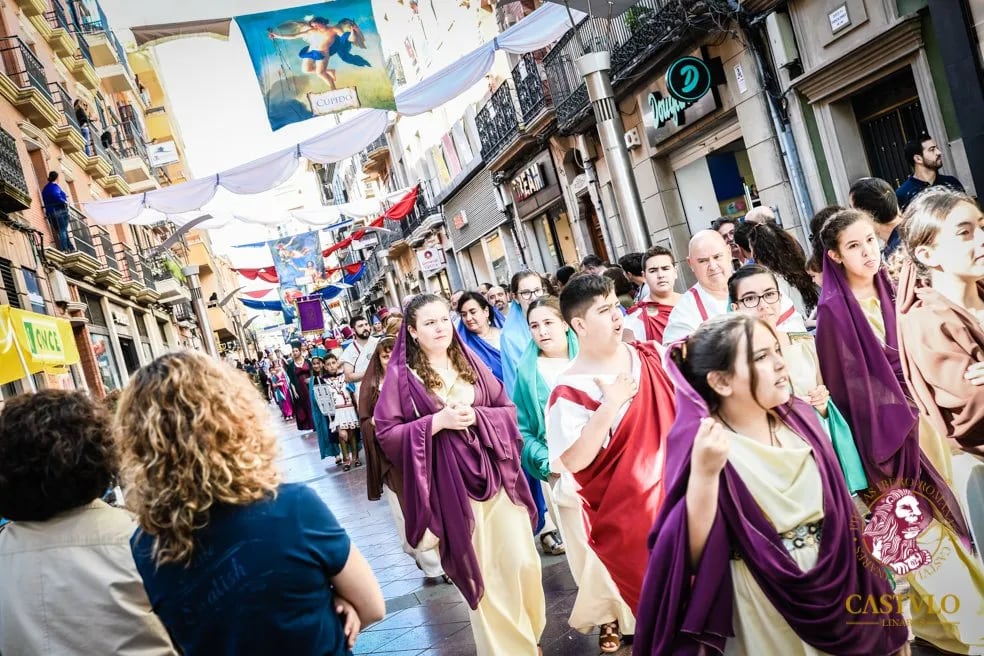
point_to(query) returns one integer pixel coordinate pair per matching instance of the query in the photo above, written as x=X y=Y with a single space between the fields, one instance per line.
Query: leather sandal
x=552 y=544
x=609 y=639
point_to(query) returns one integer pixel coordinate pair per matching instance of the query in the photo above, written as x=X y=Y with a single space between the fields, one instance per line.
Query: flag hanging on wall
x=317 y=59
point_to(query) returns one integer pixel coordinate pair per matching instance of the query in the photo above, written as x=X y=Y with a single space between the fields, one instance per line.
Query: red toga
x=622 y=489
x=655 y=324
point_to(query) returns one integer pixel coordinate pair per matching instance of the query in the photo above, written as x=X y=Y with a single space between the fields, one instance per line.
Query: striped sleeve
x=568 y=410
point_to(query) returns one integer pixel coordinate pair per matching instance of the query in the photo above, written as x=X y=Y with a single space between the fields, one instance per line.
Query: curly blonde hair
x=193 y=432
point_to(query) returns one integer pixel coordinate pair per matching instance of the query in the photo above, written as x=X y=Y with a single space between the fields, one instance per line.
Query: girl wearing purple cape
x=756 y=547
x=923 y=537
x=447 y=425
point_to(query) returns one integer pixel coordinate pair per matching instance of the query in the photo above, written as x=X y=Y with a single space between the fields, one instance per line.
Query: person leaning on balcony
x=56 y=209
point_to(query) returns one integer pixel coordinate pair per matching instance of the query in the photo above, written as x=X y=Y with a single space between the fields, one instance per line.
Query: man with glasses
x=710 y=260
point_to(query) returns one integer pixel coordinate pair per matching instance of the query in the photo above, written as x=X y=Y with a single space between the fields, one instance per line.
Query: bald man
x=709 y=258
x=760 y=214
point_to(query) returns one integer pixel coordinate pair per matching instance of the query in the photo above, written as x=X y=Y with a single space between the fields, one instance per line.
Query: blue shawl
x=487 y=353
x=515 y=338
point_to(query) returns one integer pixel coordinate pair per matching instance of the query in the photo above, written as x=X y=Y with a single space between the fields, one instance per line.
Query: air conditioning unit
x=782 y=40
x=59 y=287
x=632 y=139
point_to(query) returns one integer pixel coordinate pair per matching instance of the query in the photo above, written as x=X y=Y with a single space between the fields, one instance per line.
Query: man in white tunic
x=709 y=258
x=358 y=354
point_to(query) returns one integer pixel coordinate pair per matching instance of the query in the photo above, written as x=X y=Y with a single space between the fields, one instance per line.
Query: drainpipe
x=190 y=273
x=787 y=144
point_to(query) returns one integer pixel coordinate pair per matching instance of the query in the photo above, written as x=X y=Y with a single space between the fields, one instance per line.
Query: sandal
x=609 y=639
x=346 y=467
x=552 y=544
x=356 y=464
x=338 y=461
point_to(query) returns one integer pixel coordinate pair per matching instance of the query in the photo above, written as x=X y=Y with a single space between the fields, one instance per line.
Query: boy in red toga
x=607 y=421
x=648 y=318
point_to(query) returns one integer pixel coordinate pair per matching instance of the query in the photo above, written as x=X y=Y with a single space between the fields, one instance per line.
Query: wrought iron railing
x=570 y=96
x=531 y=88
x=649 y=25
x=114 y=159
x=128 y=263
x=393 y=234
x=147 y=271
x=57 y=18
x=183 y=312
x=11 y=169
x=105 y=245
x=496 y=121
x=87 y=23
x=84 y=49
x=131 y=135
x=22 y=66
x=65 y=105
x=79 y=233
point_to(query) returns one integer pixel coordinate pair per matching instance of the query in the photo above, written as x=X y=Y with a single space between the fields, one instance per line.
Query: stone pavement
x=423 y=617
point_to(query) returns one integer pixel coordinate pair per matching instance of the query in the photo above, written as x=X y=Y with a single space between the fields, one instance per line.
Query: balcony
x=57 y=30
x=638 y=39
x=167 y=280
x=375 y=156
x=132 y=278
x=113 y=181
x=30 y=7
x=84 y=259
x=80 y=64
x=108 y=54
x=67 y=133
x=14 y=193
x=111 y=273
x=135 y=161
x=184 y=314
x=24 y=84
x=517 y=113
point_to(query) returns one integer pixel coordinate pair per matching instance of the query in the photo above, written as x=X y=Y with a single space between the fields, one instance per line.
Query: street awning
x=32 y=342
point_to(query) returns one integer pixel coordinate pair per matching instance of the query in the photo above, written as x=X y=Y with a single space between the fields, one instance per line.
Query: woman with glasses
x=526 y=287
x=754 y=291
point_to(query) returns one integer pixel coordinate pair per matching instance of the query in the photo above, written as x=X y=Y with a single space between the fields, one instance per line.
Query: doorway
x=130 y=358
x=718 y=184
x=889 y=114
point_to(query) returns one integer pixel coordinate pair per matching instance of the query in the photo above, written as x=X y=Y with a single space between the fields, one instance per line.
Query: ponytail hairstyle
x=416 y=359
x=714 y=347
x=779 y=251
x=839 y=222
x=815 y=263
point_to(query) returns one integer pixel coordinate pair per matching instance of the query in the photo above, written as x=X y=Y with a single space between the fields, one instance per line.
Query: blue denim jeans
x=58 y=218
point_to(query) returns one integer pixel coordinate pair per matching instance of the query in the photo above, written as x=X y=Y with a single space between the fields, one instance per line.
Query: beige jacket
x=69 y=586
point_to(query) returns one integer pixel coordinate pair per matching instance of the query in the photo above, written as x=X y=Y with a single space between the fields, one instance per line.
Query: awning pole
x=20 y=356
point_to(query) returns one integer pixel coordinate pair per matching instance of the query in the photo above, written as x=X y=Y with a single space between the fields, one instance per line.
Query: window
x=7 y=282
x=32 y=284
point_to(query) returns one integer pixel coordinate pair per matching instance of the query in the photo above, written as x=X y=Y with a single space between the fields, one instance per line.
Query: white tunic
x=687 y=315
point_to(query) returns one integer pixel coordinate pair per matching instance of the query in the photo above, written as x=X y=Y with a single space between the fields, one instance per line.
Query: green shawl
x=530 y=394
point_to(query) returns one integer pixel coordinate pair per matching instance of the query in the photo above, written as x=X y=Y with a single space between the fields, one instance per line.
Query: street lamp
x=595 y=65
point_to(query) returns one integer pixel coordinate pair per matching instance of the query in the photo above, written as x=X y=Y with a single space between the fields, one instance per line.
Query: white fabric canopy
x=536 y=31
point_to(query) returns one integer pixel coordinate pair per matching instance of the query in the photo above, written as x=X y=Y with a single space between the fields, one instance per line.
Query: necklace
x=773 y=438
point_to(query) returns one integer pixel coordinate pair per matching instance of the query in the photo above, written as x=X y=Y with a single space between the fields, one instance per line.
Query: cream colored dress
x=786 y=485
x=954 y=570
x=512 y=614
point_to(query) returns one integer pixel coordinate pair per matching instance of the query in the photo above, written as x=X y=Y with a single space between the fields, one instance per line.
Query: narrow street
x=422 y=617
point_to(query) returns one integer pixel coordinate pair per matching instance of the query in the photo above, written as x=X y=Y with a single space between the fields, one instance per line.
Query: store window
x=497 y=256
x=106 y=361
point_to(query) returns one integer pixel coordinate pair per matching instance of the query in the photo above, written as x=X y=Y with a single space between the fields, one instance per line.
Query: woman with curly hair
x=777 y=250
x=68 y=584
x=232 y=558
x=445 y=423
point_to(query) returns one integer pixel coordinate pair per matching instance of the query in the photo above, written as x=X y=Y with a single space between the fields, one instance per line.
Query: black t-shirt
x=913 y=186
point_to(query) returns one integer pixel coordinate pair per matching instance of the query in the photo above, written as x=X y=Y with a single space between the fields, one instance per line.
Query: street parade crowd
x=784 y=459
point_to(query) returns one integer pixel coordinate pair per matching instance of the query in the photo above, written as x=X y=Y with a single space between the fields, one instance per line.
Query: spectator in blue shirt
x=926 y=160
x=56 y=209
x=234 y=561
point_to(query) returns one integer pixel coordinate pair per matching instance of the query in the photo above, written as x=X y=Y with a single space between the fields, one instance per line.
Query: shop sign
x=459 y=220
x=528 y=182
x=431 y=260
x=684 y=94
x=43 y=339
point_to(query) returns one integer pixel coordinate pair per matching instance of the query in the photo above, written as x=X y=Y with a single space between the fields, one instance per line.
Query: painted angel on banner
x=324 y=40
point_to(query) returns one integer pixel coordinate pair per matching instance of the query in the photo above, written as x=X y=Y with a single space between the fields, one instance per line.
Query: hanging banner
x=31 y=342
x=317 y=59
x=310 y=313
x=299 y=264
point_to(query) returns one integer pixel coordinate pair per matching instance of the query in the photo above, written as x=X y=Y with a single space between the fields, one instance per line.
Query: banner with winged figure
x=317 y=59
